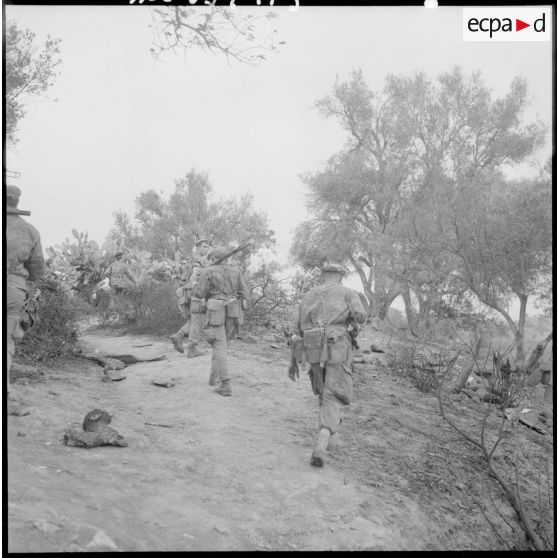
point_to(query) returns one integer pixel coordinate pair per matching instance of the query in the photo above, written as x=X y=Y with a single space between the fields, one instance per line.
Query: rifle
x=18 y=212
x=233 y=252
x=352 y=328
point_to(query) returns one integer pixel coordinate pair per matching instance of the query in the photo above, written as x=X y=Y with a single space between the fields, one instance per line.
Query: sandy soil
x=233 y=473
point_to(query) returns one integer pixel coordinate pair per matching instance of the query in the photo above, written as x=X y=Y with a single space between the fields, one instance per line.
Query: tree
x=416 y=187
x=30 y=71
x=494 y=234
x=170 y=228
x=230 y=32
x=356 y=201
x=499 y=236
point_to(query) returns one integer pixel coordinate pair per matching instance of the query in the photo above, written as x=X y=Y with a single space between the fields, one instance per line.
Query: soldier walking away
x=119 y=276
x=324 y=342
x=192 y=308
x=24 y=262
x=220 y=285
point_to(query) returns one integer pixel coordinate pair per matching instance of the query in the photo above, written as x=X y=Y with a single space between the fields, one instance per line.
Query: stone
x=222 y=529
x=102 y=540
x=162 y=382
x=17 y=410
x=105 y=436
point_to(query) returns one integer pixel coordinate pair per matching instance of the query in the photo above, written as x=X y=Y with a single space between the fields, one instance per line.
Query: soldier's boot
x=214 y=378
x=176 y=340
x=318 y=455
x=224 y=388
x=193 y=350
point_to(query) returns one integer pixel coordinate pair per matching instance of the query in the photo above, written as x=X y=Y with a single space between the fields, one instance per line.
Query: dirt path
x=232 y=473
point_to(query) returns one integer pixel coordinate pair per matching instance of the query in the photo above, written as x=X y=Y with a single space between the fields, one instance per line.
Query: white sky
x=122 y=124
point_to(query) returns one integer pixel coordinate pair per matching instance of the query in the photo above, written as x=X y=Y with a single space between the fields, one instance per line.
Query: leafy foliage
x=417 y=203
x=30 y=71
x=55 y=333
x=169 y=228
x=151 y=308
x=270 y=299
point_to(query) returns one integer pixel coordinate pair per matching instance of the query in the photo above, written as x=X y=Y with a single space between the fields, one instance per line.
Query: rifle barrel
x=18 y=212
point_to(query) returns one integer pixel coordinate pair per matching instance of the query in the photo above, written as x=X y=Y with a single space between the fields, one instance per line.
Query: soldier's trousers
x=15 y=299
x=196 y=324
x=216 y=336
x=338 y=385
x=231 y=328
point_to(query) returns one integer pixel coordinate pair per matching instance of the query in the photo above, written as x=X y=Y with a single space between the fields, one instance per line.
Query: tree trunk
x=520 y=332
x=409 y=312
x=365 y=299
x=534 y=359
x=384 y=304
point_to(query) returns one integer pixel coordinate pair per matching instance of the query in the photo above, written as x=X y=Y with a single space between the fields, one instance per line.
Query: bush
x=55 y=333
x=151 y=308
x=270 y=300
x=425 y=369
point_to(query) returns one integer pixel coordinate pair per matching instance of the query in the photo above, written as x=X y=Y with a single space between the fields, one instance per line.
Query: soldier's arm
x=35 y=265
x=356 y=307
x=242 y=289
x=298 y=320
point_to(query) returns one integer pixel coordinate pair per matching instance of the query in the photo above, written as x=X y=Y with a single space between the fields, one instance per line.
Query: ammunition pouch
x=184 y=294
x=233 y=308
x=215 y=313
x=313 y=340
x=198 y=305
x=29 y=314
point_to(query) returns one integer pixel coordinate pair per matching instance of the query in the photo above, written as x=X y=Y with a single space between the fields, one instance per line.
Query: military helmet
x=334 y=268
x=201 y=241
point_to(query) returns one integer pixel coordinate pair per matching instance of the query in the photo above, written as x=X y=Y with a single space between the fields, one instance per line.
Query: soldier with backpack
x=191 y=307
x=24 y=262
x=323 y=340
x=221 y=287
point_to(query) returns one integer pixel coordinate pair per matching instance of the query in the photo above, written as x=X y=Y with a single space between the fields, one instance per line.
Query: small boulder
x=105 y=436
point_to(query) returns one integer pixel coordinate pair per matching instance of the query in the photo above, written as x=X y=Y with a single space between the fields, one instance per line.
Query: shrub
x=151 y=308
x=55 y=332
x=425 y=370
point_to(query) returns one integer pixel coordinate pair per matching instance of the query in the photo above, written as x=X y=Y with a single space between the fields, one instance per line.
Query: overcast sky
x=116 y=123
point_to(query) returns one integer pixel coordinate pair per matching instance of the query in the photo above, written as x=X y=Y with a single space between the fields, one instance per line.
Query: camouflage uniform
x=24 y=262
x=219 y=283
x=192 y=328
x=329 y=305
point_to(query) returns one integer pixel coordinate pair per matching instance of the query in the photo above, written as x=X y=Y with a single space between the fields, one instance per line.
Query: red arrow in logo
x=519 y=25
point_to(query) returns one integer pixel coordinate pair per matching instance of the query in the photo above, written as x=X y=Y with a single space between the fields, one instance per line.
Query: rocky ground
x=205 y=472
